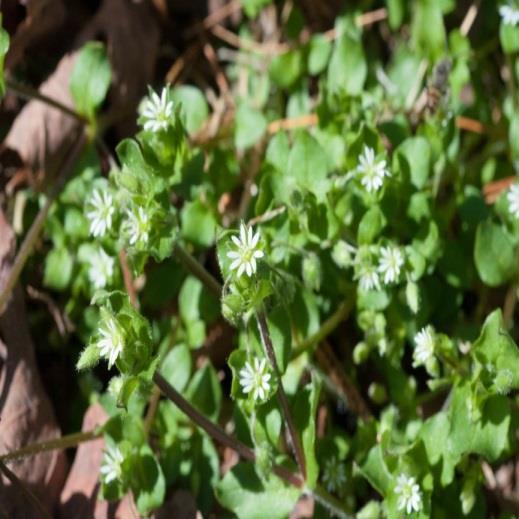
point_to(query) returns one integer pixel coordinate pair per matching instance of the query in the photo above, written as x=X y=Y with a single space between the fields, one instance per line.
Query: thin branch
x=326 y=329
x=37 y=225
x=35 y=502
x=470 y=17
x=198 y=270
x=64 y=442
x=283 y=402
x=29 y=93
x=216 y=432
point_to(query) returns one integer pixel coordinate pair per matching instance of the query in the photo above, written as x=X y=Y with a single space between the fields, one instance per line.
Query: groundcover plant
x=300 y=288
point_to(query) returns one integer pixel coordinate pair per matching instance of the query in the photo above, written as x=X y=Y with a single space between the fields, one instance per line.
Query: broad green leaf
x=417 y=152
x=375 y=470
x=250 y=126
x=371 y=225
x=194 y=106
x=249 y=497
x=198 y=223
x=285 y=69
x=253 y=7
x=90 y=78
x=205 y=393
x=319 y=50
x=509 y=36
x=348 y=69
x=58 y=269
x=396 y=11
x=428 y=30
x=496 y=350
x=176 y=366
x=4 y=45
x=493 y=254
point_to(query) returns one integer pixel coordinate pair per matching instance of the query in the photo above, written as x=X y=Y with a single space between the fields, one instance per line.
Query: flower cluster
x=409 y=494
x=369 y=275
x=157 y=111
x=254 y=379
x=137 y=226
x=101 y=269
x=372 y=172
x=247 y=251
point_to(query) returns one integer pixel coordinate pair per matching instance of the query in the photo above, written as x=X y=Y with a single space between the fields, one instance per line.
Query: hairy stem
x=326 y=329
x=65 y=442
x=198 y=270
x=35 y=502
x=216 y=432
x=37 y=225
x=283 y=402
x=28 y=92
x=329 y=502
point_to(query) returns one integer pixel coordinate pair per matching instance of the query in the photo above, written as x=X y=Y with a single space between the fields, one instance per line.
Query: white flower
x=138 y=226
x=424 y=345
x=255 y=379
x=334 y=475
x=111 y=466
x=509 y=14
x=100 y=214
x=157 y=111
x=390 y=263
x=101 y=269
x=368 y=277
x=410 y=496
x=513 y=200
x=111 y=342
x=244 y=258
x=372 y=172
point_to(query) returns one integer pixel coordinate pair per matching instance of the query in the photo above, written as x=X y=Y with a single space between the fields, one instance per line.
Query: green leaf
x=509 y=36
x=375 y=470
x=318 y=54
x=90 y=78
x=348 y=69
x=205 y=393
x=496 y=350
x=250 y=126
x=285 y=69
x=198 y=223
x=194 y=106
x=176 y=366
x=417 y=152
x=244 y=493
x=371 y=225
x=4 y=45
x=428 y=30
x=58 y=269
x=493 y=269
x=305 y=409
x=253 y=7
x=147 y=481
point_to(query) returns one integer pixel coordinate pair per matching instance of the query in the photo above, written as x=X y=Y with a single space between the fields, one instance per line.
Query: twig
x=266 y=217
x=470 y=125
x=198 y=270
x=178 y=66
x=211 y=57
x=62 y=322
x=64 y=442
x=13 y=478
x=470 y=17
x=37 y=225
x=128 y=279
x=326 y=329
x=215 y=18
x=362 y=20
x=293 y=122
x=216 y=432
x=283 y=402
x=28 y=92
x=234 y=40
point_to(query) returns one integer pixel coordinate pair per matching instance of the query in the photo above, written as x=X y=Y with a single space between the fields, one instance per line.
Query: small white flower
x=255 y=379
x=368 y=277
x=157 y=111
x=138 y=226
x=410 y=496
x=390 y=263
x=513 y=200
x=244 y=258
x=111 y=465
x=100 y=214
x=509 y=14
x=372 y=172
x=101 y=269
x=334 y=475
x=424 y=345
x=111 y=343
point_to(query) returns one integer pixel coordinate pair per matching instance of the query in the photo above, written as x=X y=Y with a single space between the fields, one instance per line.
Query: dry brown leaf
x=25 y=410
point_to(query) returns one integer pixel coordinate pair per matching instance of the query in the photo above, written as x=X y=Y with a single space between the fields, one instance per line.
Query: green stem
x=326 y=329
x=65 y=442
x=198 y=270
x=37 y=225
x=329 y=502
x=13 y=478
x=28 y=92
x=282 y=397
x=216 y=432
